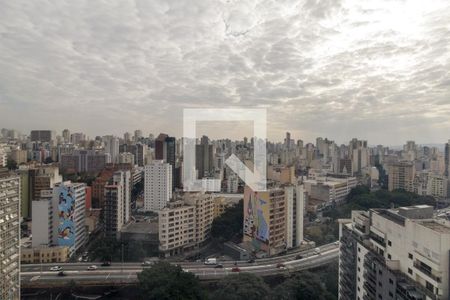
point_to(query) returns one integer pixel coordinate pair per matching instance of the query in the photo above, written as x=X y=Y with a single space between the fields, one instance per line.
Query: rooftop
x=435 y=226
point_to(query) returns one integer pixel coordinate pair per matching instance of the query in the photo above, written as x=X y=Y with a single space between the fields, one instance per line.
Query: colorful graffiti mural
x=256 y=215
x=66 y=210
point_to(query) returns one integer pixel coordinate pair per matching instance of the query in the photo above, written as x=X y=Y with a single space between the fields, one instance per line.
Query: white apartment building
x=42 y=219
x=185 y=224
x=330 y=190
x=157 y=185
x=427 y=183
x=176 y=228
x=394 y=254
x=9 y=235
x=295 y=209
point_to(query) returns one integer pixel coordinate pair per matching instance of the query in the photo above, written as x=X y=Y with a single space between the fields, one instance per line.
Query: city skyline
x=340 y=68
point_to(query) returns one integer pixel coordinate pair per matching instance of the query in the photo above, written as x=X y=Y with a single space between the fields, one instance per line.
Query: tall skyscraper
x=9 y=235
x=112 y=147
x=204 y=159
x=66 y=135
x=287 y=140
x=394 y=254
x=157 y=185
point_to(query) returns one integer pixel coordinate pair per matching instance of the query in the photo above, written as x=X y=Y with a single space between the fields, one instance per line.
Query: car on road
x=299 y=257
x=106 y=264
x=336 y=243
x=61 y=274
x=317 y=251
x=56 y=268
x=92 y=268
x=235 y=269
x=211 y=261
x=250 y=261
x=146 y=263
x=219 y=266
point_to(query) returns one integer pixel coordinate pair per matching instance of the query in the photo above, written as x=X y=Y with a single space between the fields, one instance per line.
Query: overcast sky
x=378 y=70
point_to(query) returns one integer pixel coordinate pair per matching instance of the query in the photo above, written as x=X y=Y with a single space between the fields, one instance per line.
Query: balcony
x=424 y=269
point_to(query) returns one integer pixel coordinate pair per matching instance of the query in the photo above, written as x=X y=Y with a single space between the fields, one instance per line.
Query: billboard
x=257 y=218
x=66 y=210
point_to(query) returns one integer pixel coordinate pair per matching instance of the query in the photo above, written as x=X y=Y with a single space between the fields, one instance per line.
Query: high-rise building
x=287 y=140
x=42 y=221
x=127 y=137
x=19 y=156
x=157 y=185
x=204 y=159
x=137 y=135
x=69 y=208
x=401 y=176
x=112 y=147
x=45 y=136
x=165 y=149
x=84 y=161
x=359 y=155
x=394 y=254
x=43 y=178
x=185 y=223
x=9 y=235
x=447 y=159
x=273 y=220
x=3 y=158
x=66 y=135
x=117 y=202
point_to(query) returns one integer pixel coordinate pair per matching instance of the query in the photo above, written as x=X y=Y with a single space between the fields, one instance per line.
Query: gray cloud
x=376 y=70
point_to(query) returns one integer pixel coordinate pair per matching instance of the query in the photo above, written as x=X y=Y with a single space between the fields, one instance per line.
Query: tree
x=11 y=164
x=245 y=286
x=229 y=224
x=303 y=286
x=164 y=281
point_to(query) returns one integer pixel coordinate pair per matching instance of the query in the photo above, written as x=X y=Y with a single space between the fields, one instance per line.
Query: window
x=391 y=281
x=389 y=243
x=389 y=256
x=410 y=271
x=429 y=286
x=410 y=256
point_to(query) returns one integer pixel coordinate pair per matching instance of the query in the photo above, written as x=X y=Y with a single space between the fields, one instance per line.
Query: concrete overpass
x=118 y=274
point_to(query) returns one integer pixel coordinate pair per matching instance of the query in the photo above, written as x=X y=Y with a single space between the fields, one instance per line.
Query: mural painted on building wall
x=256 y=216
x=66 y=209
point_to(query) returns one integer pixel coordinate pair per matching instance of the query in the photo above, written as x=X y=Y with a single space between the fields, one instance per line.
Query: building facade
x=394 y=254
x=157 y=185
x=10 y=235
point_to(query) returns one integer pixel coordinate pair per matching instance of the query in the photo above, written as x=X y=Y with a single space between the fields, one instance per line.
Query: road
x=36 y=275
